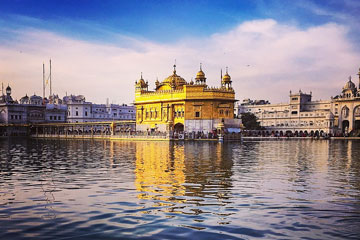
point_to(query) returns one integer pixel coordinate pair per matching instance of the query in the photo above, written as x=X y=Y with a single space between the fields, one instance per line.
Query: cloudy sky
x=99 y=48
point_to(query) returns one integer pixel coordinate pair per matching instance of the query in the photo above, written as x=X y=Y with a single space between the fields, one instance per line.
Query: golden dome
x=141 y=83
x=226 y=78
x=174 y=79
x=200 y=74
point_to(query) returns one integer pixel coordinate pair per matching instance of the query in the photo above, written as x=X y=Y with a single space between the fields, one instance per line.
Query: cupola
x=226 y=80
x=200 y=76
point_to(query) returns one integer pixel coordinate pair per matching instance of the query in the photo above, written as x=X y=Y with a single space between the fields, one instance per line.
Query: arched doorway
x=345 y=126
x=357 y=118
x=357 y=125
x=179 y=127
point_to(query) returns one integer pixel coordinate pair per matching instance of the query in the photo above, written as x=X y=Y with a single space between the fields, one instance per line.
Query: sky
x=99 y=48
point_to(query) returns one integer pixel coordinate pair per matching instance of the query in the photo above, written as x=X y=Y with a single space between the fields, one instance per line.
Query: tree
x=249 y=120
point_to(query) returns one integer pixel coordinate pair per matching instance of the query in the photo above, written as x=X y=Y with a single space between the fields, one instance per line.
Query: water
x=74 y=189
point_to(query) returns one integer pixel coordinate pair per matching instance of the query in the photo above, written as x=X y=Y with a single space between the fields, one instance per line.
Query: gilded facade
x=178 y=105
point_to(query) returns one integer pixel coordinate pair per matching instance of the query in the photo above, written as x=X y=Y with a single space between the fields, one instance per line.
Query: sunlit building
x=302 y=115
x=79 y=110
x=178 y=105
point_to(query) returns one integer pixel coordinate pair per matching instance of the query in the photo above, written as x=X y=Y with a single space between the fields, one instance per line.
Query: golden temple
x=181 y=106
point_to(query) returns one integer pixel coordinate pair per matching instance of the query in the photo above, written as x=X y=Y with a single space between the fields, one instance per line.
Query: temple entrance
x=345 y=126
x=357 y=125
x=179 y=127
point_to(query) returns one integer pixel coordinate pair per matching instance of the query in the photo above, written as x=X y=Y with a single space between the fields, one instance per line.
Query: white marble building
x=79 y=110
x=340 y=114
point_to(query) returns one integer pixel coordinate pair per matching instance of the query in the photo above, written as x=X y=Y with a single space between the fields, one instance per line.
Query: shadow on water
x=89 y=189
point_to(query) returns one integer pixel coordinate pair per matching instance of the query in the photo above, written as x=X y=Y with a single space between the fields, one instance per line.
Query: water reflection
x=192 y=190
x=160 y=171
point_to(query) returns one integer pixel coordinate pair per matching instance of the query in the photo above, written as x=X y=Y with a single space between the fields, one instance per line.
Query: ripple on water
x=158 y=190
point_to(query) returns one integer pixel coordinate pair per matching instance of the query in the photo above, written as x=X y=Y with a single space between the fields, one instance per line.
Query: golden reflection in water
x=349 y=155
x=160 y=171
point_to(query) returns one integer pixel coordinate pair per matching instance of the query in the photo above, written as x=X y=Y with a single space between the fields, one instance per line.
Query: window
x=59 y=118
x=50 y=117
x=85 y=113
x=294 y=112
x=227 y=113
x=77 y=113
x=221 y=112
x=294 y=99
x=197 y=114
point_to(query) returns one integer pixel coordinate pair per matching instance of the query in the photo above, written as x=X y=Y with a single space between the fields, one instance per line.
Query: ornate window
x=357 y=111
x=345 y=112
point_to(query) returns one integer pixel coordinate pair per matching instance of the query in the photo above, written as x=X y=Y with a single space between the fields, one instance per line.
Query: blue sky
x=175 y=27
x=170 y=20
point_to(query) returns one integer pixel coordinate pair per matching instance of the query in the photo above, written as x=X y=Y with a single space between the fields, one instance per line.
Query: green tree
x=250 y=122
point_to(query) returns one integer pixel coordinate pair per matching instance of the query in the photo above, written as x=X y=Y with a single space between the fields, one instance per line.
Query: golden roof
x=226 y=78
x=174 y=79
x=141 y=83
x=200 y=74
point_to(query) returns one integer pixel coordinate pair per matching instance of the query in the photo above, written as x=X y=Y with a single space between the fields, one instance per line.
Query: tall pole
x=50 y=79
x=43 y=82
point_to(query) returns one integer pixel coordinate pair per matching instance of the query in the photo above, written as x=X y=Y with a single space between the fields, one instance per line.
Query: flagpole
x=50 y=79
x=43 y=82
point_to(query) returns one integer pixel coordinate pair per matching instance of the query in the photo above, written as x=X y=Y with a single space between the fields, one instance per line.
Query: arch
x=357 y=112
x=306 y=133
x=357 y=125
x=345 y=126
x=316 y=133
x=179 y=127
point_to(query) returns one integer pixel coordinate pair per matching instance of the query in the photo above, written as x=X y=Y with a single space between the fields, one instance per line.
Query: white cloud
x=281 y=57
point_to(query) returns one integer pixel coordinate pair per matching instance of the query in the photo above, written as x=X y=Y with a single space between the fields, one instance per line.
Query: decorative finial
x=200 y=66
x=221 y=74
x=226 y=70
x=175 y=67
x=350 y=78
x=141 y=76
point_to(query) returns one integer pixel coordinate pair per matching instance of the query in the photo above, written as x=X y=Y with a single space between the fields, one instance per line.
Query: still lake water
x=75 y=189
